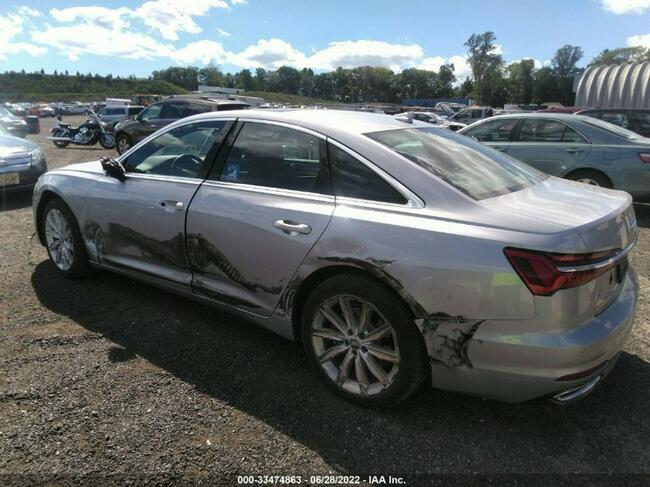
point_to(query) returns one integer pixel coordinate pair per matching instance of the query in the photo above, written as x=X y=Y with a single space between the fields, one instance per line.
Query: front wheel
x=63 y=240
x=123 y=143
x=107 y=140
x=361 y=339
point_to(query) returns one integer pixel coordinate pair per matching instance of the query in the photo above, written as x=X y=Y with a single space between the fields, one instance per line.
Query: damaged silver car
x=396 y=252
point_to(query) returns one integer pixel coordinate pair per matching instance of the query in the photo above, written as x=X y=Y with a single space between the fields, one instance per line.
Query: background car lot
x=110 y=375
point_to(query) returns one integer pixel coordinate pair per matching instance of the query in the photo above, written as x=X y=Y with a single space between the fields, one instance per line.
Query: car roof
x=324 y=121
x=567 y=117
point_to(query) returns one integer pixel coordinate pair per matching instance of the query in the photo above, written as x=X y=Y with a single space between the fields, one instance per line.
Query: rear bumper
x=516 y=368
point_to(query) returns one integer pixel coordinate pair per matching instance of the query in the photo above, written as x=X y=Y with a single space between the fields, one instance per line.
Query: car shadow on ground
x=15 y=200
x=266 y=376
x=642 y=211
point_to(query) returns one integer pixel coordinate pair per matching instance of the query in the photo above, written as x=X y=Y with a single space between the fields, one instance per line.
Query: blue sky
x=137 y=36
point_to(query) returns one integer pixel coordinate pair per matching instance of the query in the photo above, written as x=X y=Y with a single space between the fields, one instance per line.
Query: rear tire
x=123 y=143
x=348 y=358
x=63 y=240
x=592 y=178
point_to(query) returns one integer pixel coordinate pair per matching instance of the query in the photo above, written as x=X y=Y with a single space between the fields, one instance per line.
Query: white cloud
x=497 y=49
x=239 y=2
x=169 y=17
x=269 y=54
x=11 y=26
x=75 y=40
x=107 y=18
x=640 y=40
x=28 y=12
x=348 y=54
x=222 y=32
x=626 y=6
x=201 y=52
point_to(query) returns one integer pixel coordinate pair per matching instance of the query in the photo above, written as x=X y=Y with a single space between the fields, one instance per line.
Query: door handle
x=170 y=205
x=292 y=228
x=573 y=151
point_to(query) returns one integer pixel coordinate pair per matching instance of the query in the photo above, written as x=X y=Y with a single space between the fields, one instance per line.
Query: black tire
x=107 y=144
x=413 y=364
x=57 y=143
x=595 y=178
x=123 y=143
x=80 y=266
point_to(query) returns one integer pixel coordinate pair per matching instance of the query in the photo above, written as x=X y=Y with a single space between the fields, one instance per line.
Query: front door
x=257 y=216
x=549 y=145
x=139 y=224
x=496 y=133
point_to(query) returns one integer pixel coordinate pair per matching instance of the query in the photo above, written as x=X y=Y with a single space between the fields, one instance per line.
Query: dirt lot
x=110 y=377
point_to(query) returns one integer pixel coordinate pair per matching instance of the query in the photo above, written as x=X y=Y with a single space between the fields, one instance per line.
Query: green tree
x=211 y=75
x=636 y=54
x=288 y=80
x=521 y=80
x=186 y=77
x=486 y=67
x=259 y=81
x=546 y=86
x=565 y=65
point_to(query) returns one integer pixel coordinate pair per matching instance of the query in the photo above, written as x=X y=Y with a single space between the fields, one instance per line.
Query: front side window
x=498 y=130
x=134 y=110
x=277 y=157
x=617 y=118
x=181 y=152
x=152 y=113
x=474 y=169
x=353 y=179
x=543 y=130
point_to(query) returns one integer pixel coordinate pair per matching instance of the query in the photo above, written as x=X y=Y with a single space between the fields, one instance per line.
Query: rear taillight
x=545 y=273
x=645 y=157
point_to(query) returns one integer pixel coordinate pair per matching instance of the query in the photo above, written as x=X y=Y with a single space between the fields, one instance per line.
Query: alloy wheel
x=591 y=182
x=58 y=236
x=355 y=345
x=123 y=145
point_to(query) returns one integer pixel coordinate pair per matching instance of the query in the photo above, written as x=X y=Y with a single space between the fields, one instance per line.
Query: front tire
x=107 y=141
x=360 y=338
x=123 y=143
x=63 y=240
x=58 y=143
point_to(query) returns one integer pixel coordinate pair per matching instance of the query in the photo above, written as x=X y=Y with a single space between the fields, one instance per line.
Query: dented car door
x=139 y=224
x=263 y=207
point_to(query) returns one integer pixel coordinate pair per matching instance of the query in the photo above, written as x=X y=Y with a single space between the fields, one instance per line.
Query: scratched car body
x=396 y=252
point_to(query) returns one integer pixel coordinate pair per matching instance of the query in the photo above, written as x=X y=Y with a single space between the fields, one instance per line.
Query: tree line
x=493 y=82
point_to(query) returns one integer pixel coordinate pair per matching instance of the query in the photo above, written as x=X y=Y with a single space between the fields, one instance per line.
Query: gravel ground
x=110 y=377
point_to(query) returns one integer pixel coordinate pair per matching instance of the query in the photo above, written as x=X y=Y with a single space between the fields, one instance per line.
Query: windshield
x=610 y=127
x=474 y=169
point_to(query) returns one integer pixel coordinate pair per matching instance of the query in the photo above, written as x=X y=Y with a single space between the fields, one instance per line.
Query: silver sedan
x=396 y=252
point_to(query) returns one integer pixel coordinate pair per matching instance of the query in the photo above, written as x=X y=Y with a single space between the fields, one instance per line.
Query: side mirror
x=113 y=168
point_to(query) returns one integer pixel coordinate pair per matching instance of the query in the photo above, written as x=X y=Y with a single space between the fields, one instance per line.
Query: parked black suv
x=156 y=116
x=634 y=119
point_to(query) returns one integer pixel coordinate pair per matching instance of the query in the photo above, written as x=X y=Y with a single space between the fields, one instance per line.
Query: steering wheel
x=186 y=164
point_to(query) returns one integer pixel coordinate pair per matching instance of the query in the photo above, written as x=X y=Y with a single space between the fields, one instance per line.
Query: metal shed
x=615 y=86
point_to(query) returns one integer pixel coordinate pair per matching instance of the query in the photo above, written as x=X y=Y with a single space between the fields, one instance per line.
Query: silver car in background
x=394 y=251
x=21 y=162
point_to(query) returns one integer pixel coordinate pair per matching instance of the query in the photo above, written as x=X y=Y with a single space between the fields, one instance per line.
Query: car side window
x=498 y=130
x=617 y=118
x=277 y=157
x=134 y=110
x=353 y=179
x=180 y=152
x=639 y=122
x=151 y=113
x=174 y=110
x=548 y=131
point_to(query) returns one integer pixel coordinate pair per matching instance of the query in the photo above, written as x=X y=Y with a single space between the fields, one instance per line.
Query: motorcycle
x=90 y=132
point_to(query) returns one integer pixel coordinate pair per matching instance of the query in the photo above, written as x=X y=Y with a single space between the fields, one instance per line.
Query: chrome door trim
x=169 y=179
x=282 y=124
x=291 y=193
x=412 y=200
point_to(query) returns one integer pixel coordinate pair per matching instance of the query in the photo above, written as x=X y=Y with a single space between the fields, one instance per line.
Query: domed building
x=615 y=86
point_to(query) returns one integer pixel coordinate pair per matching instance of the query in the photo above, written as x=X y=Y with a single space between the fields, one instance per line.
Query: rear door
x=549 y=145
x=265 y=204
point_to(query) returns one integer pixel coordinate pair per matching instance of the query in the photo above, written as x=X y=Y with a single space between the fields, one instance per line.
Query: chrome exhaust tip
x=577 y=392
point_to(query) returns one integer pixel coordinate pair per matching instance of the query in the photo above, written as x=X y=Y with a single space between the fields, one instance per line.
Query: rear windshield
x=474 y=169
x=610 y=127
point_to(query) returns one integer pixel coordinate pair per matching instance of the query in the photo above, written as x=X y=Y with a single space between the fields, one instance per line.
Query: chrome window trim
x=270 y=190
x=161 y=177
x=412 y=200
x=281 y=124
x=600 y=264
x=167 y=128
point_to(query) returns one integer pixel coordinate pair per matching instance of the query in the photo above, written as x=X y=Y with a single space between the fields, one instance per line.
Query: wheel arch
x=372 y=272
x=588 y=170
x=46 y=196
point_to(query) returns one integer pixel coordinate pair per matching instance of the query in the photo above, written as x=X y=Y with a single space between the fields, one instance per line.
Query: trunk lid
x=603 y=218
